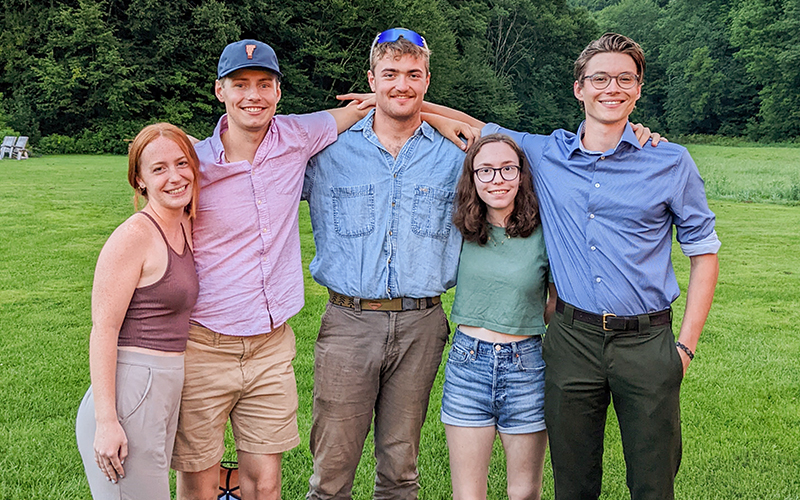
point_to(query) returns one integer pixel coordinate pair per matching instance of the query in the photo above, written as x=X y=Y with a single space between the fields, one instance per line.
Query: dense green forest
x=82 y=75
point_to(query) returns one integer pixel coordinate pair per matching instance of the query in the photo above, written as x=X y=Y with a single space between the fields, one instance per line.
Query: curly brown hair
x=470 y=215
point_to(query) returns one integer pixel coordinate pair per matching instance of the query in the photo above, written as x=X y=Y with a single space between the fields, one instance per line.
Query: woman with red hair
x=144 y=288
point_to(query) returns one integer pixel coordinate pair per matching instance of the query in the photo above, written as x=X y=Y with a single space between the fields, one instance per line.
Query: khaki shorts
x=250 y=379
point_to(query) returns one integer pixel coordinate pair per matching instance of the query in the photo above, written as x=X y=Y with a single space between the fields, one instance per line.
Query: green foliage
x=57 y=144
x=542 y=75
x=729 y=67
x=112 y=137
x=174 y=48
x=85 y=66
x=5 y=129
x=709 y=91
x=594 y=5
x=80 y=76
x=721 y=140
x=768 y=36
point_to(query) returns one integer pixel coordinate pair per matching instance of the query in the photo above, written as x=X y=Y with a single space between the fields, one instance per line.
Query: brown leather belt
x=398 y=304
x=613 y=322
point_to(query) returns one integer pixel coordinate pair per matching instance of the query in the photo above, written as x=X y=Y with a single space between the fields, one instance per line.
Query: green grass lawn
x=740 y=401
x=760 y=174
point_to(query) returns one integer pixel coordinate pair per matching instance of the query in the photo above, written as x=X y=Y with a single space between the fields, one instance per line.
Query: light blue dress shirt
x=608 y=218
x=383 y=226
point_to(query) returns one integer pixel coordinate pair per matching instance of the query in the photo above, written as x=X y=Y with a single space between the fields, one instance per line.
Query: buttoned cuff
x=709 y=244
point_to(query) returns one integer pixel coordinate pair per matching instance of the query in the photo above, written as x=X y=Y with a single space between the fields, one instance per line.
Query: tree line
x=83 y=75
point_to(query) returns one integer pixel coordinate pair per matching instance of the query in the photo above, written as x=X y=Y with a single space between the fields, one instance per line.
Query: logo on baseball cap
x=247 y=54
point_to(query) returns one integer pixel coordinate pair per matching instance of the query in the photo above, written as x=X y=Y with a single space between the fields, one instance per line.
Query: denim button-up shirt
x=383 y=225
x=608 y=218
x=246 y=238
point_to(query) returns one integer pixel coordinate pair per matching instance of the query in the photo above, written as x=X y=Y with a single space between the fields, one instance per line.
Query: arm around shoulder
x=453 y=114
x=347 y=116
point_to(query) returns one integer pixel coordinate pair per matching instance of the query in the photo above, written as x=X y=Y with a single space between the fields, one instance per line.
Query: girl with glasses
x=494 y=377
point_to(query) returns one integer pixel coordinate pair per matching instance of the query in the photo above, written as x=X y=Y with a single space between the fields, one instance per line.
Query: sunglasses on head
x=394 y=34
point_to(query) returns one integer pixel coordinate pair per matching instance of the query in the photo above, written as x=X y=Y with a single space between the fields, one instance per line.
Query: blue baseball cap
x=247 y=54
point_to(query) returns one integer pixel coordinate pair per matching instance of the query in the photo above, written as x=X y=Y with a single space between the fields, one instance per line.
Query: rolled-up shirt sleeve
x=710 y=244
x=694 y=221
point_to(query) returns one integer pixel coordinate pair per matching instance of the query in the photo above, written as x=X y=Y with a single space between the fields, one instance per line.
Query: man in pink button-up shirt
x=247 y=254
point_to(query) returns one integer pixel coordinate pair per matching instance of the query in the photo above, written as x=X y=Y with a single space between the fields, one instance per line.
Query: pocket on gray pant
x=133 y=386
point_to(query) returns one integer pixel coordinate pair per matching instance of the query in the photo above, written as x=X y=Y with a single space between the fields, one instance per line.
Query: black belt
x=612 y=321
x=397 y=304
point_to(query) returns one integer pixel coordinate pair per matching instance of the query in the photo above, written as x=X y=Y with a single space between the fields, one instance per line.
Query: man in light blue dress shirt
x=381 y=201
x=609 y=206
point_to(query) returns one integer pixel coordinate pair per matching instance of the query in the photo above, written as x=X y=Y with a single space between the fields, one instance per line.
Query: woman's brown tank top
x=158 y=315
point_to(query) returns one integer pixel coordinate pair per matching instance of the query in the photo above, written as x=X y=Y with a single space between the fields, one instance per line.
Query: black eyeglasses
x=486 y=174
x=601 y=81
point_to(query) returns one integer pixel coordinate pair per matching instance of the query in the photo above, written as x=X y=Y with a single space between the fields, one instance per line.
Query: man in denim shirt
x=381 y=202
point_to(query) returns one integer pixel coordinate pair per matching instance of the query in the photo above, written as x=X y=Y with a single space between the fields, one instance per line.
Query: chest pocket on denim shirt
x=432 y=214
x=354 y=210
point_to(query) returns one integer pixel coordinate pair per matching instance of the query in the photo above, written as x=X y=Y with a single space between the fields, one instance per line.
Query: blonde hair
x=398 y=49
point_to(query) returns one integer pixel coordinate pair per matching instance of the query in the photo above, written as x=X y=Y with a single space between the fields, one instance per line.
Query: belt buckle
x=604 y=321
x=408 y=304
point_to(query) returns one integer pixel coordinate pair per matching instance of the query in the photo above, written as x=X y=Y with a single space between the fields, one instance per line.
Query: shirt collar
x=218 y=149
x=364 y=126
x=216 y=140
x=628 y=136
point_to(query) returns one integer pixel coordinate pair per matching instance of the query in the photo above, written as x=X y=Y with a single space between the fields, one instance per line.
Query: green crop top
x=502 y=286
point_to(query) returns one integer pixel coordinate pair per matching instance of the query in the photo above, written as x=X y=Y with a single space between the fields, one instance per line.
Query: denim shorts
x=494 y=385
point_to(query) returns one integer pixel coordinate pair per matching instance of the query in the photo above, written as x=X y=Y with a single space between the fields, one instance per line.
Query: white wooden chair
x=20 y=151
x=8 y=146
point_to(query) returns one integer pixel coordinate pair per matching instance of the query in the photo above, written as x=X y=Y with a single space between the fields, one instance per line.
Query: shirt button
x=264 y=230
x=392 y=203
x=389 y=261
x=591 y=216
x=594 y=248
x=598 y=280
x=497 y=348
x=602 y=157
x=390 y=233
x=597 y=185
x=259 y=202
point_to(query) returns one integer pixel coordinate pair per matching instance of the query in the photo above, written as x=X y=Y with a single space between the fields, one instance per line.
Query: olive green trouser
x=641 y=371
